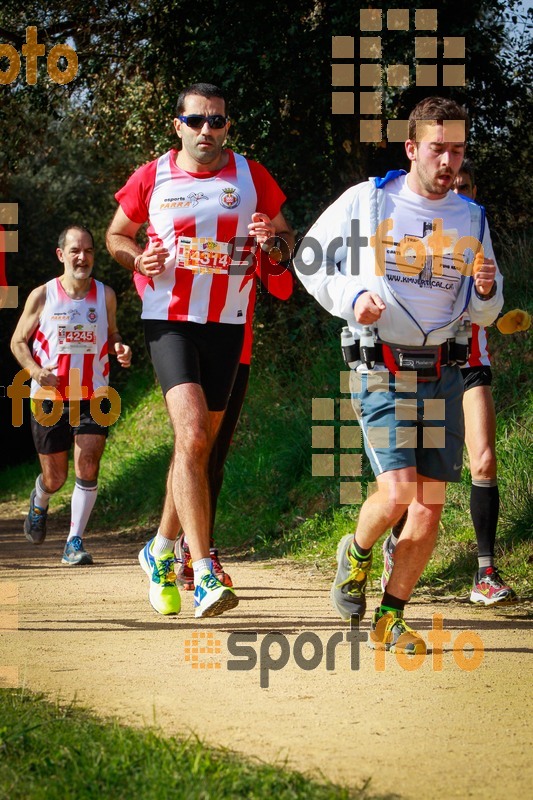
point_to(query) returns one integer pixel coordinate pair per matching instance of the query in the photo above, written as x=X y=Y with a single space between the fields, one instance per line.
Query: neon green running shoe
x=212 y=598
x=164 y=595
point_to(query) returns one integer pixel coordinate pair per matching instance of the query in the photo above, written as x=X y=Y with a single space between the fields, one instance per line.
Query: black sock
x=398 y=527
x=485 y=508
x=391 y=603
x=361 y=553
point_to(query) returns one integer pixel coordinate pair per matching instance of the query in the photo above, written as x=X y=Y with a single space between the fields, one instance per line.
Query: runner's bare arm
x=26 y=327
x=122 y=244
x=114 y=339
x=264 y=228
x=284 y=230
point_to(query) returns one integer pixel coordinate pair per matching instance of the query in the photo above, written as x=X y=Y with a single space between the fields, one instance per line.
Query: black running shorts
x=191 y=352
x=58 y=438
x=476 y=376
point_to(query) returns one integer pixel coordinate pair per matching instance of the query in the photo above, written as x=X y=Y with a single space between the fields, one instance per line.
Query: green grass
x=54 y=752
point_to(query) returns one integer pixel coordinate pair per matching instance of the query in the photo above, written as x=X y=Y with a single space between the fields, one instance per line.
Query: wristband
x=136 y=263
x=358 y=295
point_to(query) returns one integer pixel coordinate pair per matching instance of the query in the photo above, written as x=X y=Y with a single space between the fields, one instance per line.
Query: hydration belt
x=425 y=361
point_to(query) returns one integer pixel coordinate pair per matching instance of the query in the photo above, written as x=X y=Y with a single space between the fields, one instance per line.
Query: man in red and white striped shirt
x=278 y=280
x=63 y=340
x=208 y=210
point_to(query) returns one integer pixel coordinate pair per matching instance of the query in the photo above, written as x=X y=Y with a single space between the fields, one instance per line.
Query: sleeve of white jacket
x=328 y=243
x=484 y=312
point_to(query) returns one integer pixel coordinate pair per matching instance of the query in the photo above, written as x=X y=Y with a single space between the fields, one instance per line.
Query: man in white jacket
x=402 y=259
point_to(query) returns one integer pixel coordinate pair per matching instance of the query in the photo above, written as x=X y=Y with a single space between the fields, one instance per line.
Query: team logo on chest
x=229 y=197
x=92 y=316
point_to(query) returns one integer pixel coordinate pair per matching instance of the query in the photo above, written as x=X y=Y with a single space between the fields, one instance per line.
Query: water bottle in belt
x=367 y=348
x=350 y=349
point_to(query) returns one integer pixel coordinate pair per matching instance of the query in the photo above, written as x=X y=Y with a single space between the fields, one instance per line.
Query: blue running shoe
x=74 y=555
x=163 y=593
x=212 y=598
x=35 y=522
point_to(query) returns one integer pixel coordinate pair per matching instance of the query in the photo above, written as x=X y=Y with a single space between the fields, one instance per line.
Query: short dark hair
x=468 y=168
x=74 y=227
x=438 y=109
x=201 y=89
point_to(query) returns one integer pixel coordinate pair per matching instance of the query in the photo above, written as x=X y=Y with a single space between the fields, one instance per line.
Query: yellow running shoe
x=390 y=631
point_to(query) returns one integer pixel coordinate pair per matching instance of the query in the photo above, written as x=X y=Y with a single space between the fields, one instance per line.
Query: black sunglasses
x=216 y=121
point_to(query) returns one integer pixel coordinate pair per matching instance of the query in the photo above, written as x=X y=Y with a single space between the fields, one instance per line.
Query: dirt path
x=90 y=633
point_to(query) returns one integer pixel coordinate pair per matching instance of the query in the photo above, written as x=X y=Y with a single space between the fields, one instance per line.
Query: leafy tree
x=64 y=150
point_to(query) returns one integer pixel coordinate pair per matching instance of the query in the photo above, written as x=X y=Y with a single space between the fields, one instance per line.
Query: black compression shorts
x=476 y=376
x=191 y=352
x=58 y=438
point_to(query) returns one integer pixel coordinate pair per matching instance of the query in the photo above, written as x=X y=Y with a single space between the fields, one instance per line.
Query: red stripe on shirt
x=277 y=278
x=246 y=352
x=43 y=341
x=230 y=170
x=141 y=282
x=87 y=376
x=103 y=353
x=226 y=231
x=63 y=369
x=178 y=308
x=270 y=198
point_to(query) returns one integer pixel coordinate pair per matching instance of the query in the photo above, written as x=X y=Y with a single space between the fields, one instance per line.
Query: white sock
x=81 y=505
x=42 y=497
x=161 y=546
x=200 y=567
